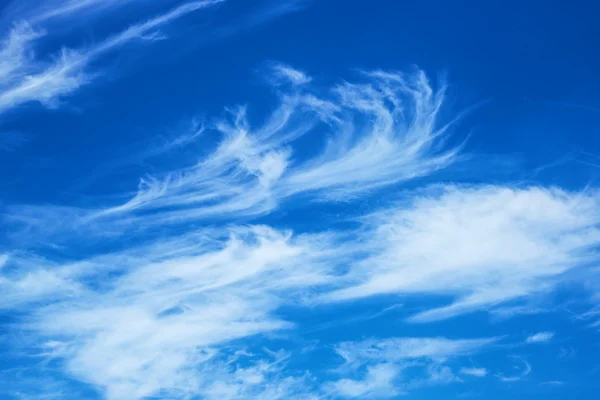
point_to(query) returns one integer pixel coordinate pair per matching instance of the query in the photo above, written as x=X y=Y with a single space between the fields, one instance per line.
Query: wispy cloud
x=47 y=11
x=397 y=349
x=383 y=361
x=24 y=78
x=166 y=309
x=553 y=383
x=147 y=320
x=477 y=372
x=286 y=73
x=542 y=337
x=62 y=9
x=484 y=245
x=378 y=382
x=526 y=370
x=374 y=133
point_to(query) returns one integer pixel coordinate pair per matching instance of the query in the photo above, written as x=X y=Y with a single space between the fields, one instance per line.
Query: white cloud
x=287 y=73
x=147 y=30
x=397 y=349
x=63 y=76
x=437 y=375
x=592 y=316
x=23 y=78
x=376 y=132
x=378 y=382
x=15 y=52
x=49 y=11
x=146 y=320
x=383 y=362
x=484 y=245
x=61 y=9
x=478 y=372
x=541 y=337
x=526 y=370
x=163 y=316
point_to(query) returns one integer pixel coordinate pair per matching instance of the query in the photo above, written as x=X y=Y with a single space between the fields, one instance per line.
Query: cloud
x=541 y=337
x=377 y=383
x=164 y=317
x=592 y=314
x=477 y=372
x=63 y=76
x=147 y=320
x=62 y=9
x=437 y=375
x=482 y=245
x=376 y=132
x=553 y=383
x=383 y=362
x=15 y=50
x=515 y=378
x=287 y=73
x=45 y=11
x=24 y=79
x=398 y=349
x=172 y=308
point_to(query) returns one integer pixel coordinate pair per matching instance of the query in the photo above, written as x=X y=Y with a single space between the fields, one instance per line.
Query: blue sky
x=299 y=199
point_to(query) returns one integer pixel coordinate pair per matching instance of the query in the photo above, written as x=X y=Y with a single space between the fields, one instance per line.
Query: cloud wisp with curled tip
x=287 y=73
x=378 y=131
x=526 y=370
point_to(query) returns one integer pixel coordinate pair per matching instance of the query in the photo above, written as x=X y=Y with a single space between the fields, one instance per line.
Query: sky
x=296 y=199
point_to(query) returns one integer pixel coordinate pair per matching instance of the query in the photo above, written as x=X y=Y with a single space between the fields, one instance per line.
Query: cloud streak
x=476 y=372
x=542 y=337
x=24 y=79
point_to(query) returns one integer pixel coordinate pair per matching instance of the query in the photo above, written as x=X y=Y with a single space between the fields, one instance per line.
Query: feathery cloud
x=24 y=78
x=379 y=131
